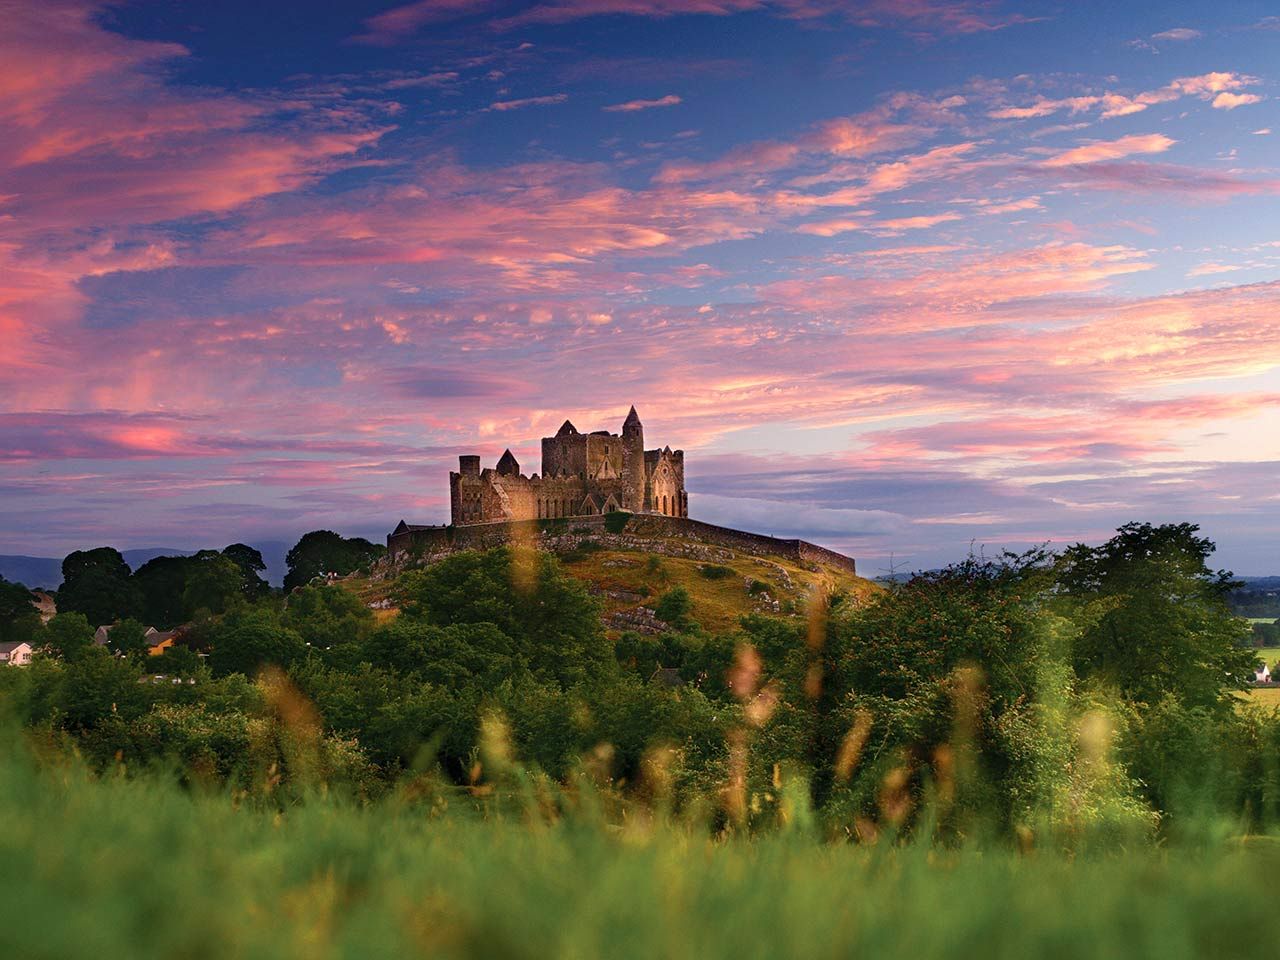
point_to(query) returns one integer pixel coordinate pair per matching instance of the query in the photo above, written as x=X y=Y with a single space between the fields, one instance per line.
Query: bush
x=615 y=521
x=674 y=606
x=757 y=587
x=715 y=571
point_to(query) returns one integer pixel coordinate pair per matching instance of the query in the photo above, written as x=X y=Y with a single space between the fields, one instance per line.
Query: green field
x=136 y=868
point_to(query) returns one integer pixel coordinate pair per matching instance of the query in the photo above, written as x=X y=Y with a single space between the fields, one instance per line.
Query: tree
x=1156 y=617
x=128 y=637
x=250 y=638
x=97 y=685
x=162 y=583
x=213 y=583
x=98 y=584
x=327 y=616
x=19 y=619
x=323 y=551
x=673 y=607
x=456 y=656
x=67 y=635
x=251 y=564
x=552 y=620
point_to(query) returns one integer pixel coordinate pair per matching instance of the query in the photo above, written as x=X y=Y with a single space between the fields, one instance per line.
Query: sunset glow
x=899 y=277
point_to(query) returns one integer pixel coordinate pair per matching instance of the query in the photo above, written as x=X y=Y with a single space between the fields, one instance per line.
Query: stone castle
x=583 y=475
x=586 y=476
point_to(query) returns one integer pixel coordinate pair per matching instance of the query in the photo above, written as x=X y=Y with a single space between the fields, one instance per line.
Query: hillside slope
x=723 y=583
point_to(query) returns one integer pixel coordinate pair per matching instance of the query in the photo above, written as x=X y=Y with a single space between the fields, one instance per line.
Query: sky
x=902 y=277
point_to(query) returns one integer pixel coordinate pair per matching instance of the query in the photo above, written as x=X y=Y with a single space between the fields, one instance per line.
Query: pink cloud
x=1145 y=178
x=1112 y=149
x=1229 y=101
x=1110 y=105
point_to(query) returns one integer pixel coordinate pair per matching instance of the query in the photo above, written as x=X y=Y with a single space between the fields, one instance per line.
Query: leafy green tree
x=674 y=607
x=251 y=564
x=128 y=637
x=67 y=635
x=327 y=616
x=456 y=656
x=97 y=685
x=973 y=641
x=213 y=583
x=19 y=619
x=1157 y=616
x=553 y=621
x=163 y=584
x=98 y=584
x=323 y=551
x=178 y=661
x=250 y=638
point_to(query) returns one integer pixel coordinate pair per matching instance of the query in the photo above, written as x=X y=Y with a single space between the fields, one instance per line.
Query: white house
x=1262 y=674
x=15 y=653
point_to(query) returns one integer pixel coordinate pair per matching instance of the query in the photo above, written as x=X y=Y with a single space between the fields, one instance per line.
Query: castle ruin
x=586 y=476
x=583 y=475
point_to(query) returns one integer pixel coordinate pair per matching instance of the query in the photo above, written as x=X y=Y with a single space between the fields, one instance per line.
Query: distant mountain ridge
x=45 y=573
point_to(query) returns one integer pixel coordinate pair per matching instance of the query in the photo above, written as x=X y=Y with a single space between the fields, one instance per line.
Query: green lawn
x=137 y=868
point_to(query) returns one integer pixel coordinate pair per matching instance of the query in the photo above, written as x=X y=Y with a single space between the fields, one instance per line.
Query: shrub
x=615 y=521
x=674 y=606
x=757 y=587
x=715 y=571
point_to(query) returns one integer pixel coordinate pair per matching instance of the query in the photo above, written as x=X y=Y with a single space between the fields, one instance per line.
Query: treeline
x=169 y=591
x=1095 y=686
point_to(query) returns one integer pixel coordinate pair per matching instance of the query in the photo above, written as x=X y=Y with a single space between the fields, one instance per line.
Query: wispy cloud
x=1180 y=34
x=520 y=104
x=631 y=106
x=1112 y=149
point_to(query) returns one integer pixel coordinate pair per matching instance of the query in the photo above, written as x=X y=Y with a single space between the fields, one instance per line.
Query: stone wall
x=482 y=536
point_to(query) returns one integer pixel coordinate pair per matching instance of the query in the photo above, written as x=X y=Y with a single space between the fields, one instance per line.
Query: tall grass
x=130 y=867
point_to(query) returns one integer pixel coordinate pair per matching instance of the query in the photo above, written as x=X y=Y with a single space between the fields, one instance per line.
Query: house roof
x=667 y=677
x=566 y=429
x=8 y=646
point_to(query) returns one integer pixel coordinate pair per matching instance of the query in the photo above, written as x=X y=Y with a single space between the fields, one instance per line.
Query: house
x=158 y=641
x=15 y=653
x=1262 y=674
x=667 y=677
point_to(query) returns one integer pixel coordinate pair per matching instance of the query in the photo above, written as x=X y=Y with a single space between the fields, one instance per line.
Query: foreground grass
x=139 y=868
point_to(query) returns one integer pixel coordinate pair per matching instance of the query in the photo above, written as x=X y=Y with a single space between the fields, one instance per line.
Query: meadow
x=131 y=867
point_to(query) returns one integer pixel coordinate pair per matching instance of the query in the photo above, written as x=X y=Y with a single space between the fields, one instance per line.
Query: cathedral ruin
x=583 y=474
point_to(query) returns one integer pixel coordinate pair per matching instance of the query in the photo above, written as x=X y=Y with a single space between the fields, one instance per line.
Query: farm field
x=1263 y=696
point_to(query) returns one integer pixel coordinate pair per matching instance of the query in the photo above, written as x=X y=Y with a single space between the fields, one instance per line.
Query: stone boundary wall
x=482 y=536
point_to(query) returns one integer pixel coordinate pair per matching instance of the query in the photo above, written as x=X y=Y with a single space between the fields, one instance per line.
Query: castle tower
x=507 y=465
x=633 y=468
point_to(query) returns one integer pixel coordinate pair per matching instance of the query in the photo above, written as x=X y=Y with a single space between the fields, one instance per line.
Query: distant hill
x=43 y=572
x=46 y=572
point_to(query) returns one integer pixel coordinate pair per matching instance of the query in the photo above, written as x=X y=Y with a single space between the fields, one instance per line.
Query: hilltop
x=630 y=574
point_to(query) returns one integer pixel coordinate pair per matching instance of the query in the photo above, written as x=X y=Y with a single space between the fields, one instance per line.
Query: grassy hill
x=723 y=584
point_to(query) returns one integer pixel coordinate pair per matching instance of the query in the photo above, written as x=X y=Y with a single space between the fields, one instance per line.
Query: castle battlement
x=583 y=475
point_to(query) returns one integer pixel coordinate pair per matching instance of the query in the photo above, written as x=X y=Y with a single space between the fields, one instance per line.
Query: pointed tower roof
x=507 y=465
x=566 y=429
x=633 y=418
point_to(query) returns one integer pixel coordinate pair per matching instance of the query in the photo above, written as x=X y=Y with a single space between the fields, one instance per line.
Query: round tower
x=633 y=462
